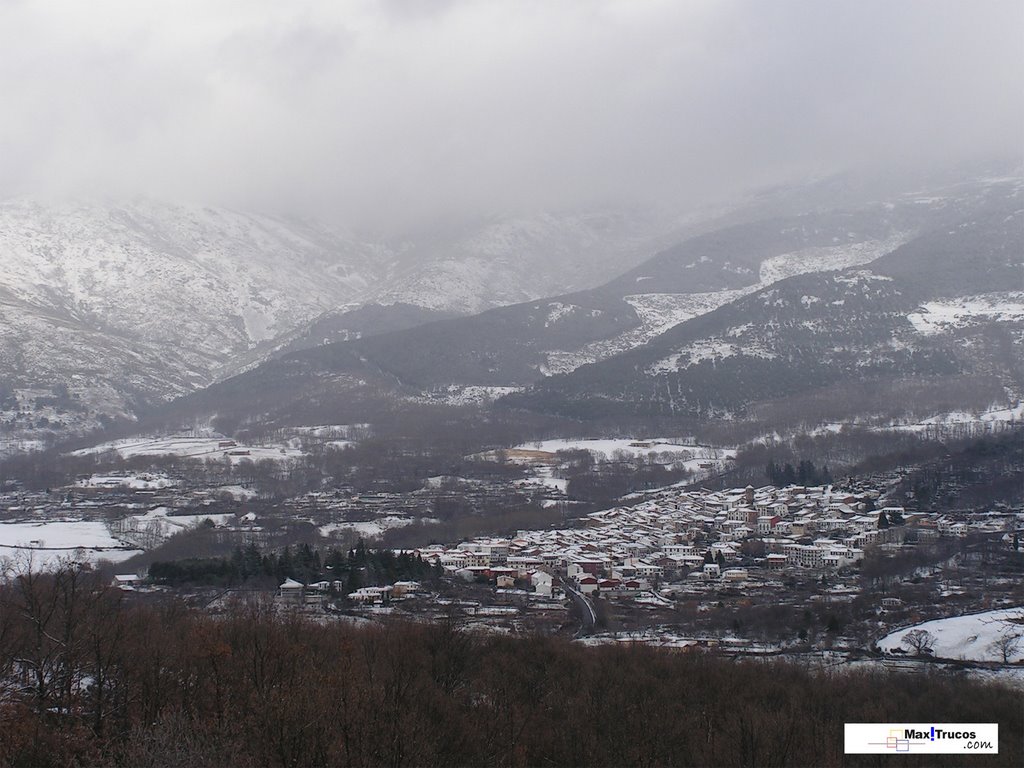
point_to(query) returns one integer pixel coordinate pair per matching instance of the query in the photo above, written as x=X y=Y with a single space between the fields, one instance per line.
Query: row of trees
x=90 y=678
x=355 y=568
x=805 y=473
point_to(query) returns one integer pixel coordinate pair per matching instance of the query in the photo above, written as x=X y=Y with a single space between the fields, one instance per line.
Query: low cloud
x=391 y=114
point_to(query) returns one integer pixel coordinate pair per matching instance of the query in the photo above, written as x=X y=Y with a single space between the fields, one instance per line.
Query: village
x=716 y=568
x=733 y=565
x=728 y=536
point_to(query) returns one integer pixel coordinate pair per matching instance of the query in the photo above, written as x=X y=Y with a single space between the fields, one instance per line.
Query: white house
x=291 y=591
x=542 y=583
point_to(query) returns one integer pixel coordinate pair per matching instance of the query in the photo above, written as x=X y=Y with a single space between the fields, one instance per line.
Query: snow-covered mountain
x=108 y=308
x=105 y=307
x=940 y=310
x=713 y=325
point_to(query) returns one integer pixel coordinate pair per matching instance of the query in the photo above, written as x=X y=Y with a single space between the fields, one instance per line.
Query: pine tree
x=286 y=564
x=238 y=565
x=252 y=562
x=788 y=475
x=352 y=581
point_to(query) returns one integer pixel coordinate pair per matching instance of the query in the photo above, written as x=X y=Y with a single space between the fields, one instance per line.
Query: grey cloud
x=394 y=113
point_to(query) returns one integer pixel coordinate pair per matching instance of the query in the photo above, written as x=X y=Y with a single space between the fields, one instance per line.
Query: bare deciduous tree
x=920 y=641
x=1006 y=645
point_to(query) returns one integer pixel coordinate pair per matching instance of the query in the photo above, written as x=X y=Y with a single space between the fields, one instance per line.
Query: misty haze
x=480 y=382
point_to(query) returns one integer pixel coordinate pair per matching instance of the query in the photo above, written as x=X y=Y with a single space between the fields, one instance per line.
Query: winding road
x=588 y=615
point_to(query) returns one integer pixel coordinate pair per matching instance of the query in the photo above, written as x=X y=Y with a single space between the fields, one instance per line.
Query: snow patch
x=967 y=637
x=371 y=529
x=713 y=348
x=46 y=544
x=949 y=315
x=472 y=394
x=195 y=448
x=828 y=259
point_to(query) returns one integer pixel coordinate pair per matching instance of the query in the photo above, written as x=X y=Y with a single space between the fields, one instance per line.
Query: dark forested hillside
x=812 y=332
x=787 y=338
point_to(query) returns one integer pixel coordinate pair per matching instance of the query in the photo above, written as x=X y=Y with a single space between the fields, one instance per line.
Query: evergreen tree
x=238 y=565
x=252 y=562
x=352 y=581
x=336 y=561
x=359 y=555
x=285 y=565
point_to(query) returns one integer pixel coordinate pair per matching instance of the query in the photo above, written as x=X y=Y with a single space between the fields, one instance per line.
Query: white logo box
x=921 y=738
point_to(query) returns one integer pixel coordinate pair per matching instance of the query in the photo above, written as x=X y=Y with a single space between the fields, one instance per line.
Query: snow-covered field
x=544 y=476
x=337 y=435
x=633 y=447
x=972 y=637
x=193 y=447
x=698 y=459
x=157 y=522
x=990 y=416
x=996 y=413
x=1013 y=413
x=371 y=529
x=140 y=481
x=46 y=543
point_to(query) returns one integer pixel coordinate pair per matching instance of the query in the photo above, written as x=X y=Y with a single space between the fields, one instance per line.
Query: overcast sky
x=388 y=114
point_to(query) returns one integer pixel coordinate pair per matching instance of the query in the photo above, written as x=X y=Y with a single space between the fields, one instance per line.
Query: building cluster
x=316 y=594
x=702 y=535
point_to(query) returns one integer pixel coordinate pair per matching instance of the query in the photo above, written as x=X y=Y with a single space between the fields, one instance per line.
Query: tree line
x=805 y=473
x=355 y=568
x=91 y=676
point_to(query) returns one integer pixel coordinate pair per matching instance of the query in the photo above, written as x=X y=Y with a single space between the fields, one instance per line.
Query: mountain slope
x=897 y=319
x=516 y=346
x=122 y=306
x=118 y=306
